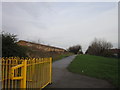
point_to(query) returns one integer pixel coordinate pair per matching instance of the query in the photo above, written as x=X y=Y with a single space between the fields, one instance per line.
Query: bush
x=75 y=49
x=10 y=47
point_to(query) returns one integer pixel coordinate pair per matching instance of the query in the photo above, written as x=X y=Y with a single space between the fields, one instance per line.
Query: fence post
x=50 y=70
x=23 y=72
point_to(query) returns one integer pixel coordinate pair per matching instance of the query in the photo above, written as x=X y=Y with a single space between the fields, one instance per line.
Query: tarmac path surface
x=62 y=78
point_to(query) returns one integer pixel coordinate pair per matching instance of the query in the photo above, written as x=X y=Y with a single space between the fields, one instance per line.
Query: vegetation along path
x=62 y=78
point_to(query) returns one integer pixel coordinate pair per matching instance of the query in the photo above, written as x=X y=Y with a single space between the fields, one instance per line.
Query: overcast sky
x=62 y=24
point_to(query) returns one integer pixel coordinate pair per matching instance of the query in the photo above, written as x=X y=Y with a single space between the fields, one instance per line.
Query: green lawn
x=96 y=66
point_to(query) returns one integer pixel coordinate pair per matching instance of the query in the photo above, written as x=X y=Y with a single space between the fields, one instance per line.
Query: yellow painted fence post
x=23 y=72
x=50 y=70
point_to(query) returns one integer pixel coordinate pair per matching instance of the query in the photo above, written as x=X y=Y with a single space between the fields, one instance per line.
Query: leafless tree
x=99 y=47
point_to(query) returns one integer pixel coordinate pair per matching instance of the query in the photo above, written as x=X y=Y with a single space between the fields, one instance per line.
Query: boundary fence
x=25 y=72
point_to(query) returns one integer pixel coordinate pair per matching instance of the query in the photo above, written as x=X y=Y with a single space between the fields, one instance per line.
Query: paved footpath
x=62 y=78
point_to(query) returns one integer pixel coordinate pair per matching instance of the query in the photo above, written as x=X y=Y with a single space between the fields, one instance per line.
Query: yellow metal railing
x=26 y=73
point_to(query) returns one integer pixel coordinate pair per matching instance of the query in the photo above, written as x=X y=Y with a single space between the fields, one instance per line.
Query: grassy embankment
x=61 y=56
x=96 y=66
x=35 y=53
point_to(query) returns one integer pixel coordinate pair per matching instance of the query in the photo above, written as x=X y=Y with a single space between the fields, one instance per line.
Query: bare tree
x=99 y=47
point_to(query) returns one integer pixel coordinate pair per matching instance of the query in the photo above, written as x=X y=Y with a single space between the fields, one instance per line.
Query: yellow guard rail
x=26 y=73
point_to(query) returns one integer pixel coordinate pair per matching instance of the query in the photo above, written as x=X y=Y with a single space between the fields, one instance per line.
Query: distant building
x=115 y=51
x=41 y=46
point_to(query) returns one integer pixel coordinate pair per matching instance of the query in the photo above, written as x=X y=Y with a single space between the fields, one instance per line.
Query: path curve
x=62 y=78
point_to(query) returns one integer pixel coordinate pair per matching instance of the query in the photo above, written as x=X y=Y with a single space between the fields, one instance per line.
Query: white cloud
x=62 y=24
x=60 y=0
x=0 y=16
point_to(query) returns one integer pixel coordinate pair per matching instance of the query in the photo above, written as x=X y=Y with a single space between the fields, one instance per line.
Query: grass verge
x=58 y=57
x=96 y=66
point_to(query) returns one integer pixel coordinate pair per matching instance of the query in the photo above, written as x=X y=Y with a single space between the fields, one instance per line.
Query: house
x=41 y=46
x=115 y=51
